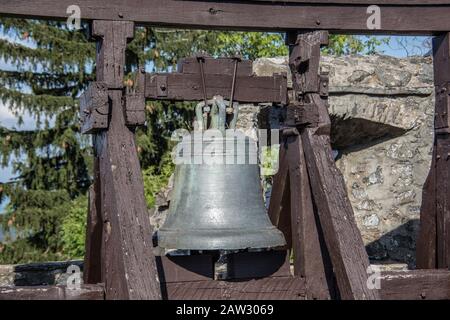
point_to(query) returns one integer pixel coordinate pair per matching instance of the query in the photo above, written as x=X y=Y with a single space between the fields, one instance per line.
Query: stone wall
x=382 y=113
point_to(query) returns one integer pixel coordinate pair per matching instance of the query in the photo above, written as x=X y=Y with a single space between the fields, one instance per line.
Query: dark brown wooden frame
x=330 y=260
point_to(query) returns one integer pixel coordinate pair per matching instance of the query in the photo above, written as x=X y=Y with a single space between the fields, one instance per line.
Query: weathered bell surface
x=218 y=206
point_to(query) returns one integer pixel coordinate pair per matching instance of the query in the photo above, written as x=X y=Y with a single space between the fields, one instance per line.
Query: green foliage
x=73 y=230
x=251 y=45
x=349 y=44
x=269 y=160
x=157 y=177
x=42 y=212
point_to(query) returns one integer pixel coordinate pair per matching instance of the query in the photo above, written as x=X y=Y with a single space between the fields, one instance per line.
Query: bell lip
x=236 y=239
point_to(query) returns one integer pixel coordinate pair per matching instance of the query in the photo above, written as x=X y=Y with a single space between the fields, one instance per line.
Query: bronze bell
x=218 y=206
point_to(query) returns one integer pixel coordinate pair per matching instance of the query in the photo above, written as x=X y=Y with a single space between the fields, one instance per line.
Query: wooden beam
x=188 y=87
x=441 y=62
x=218 y=66
x=365 y=2
x=394 y=285
x=443 y=200
x=128 y=264
x=279 y=205
x=92 y=268
x=342 y=236
x=426 y=242
x=271 y=288
x=311 y=258
x=86 y=292
x=417 y=17
x=434 y=237
x=415 y=285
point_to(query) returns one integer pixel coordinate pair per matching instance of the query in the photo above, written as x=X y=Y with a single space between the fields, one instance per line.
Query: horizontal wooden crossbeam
x=340 y=16
x=416 y=285
x=188 y=87
x=183 y=284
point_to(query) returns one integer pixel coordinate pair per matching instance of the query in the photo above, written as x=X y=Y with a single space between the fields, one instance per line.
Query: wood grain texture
x=364 y=2
x=415 y=285
x=443 y=200
x=441 y=65
x=92 y=270
x=311 y=259
x=418 y=17
x=129 y=268
x=280 y=205
x=86 y=292
x=336 y=221
x=219 y=66
x=426 y=242
x=441 y=62
x=94 y=108
x=433 y=249
x=272 y=288
x=342 y=236
x=188 y=87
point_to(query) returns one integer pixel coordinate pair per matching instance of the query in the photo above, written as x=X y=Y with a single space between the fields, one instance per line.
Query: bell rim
x=221 y=239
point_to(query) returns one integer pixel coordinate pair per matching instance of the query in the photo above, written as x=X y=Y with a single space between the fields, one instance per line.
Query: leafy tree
x=50 y=66
x=349 y=44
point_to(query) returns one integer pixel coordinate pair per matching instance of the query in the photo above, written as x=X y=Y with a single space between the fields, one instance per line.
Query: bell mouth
x=229 y=239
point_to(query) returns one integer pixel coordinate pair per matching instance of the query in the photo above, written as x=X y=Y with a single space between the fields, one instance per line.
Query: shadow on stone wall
x=396 y=246
x=355 y=132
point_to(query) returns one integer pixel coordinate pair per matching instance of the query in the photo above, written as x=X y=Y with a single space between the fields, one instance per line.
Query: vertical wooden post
x=128 y=264
x=426 y=242
x=92 y=270
x=340 y=232
x=279 y=206
x=433 y=246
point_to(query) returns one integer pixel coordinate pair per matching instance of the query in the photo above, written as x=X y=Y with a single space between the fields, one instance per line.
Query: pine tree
x=50 y=66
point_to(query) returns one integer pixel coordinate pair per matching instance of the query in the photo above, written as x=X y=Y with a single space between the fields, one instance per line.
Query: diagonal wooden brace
x=336 y=222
